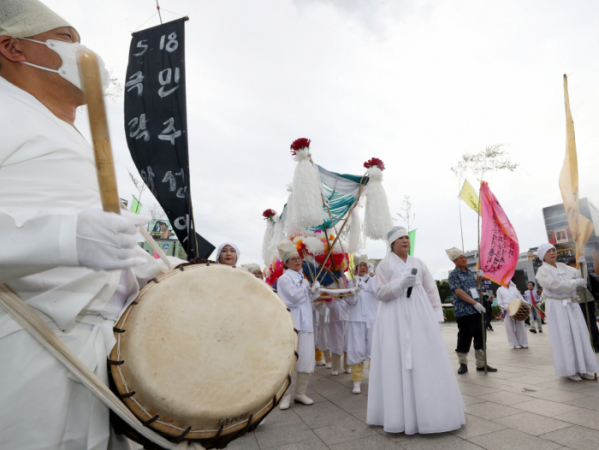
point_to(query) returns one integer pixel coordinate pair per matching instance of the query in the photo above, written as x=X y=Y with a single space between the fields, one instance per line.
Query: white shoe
x=587 y=376
x=517 y=346
x=356 y=389
x=285 y=402
x=303 y=399
x=525 y=347
x=321 y=363
x=347 y=370
x=335 y=373
x=575 y=378
x=329 y=365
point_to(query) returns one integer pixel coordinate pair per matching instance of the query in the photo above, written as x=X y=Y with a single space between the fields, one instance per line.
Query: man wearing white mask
x=467 y=310
x=573 y=356
x=61 y=254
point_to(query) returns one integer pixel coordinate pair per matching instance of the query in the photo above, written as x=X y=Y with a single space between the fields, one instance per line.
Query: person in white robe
x=321 y=335
x=338 y=315
x=514 y=329
x=573 y=356
x=254 y=269
x=360 y=323
x=297 y=294
x=412 y=387
x=228 y=254
x=61 y=254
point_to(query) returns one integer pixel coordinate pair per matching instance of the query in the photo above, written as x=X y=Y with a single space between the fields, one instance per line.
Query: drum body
x=205 y=352
x=518 y=309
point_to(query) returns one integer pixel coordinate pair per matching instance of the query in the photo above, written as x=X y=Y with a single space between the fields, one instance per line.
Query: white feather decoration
x=314 y=245
x=355 y=243
x=266 y=241
x=278 y=237
x=305 y=207
x=377 y=218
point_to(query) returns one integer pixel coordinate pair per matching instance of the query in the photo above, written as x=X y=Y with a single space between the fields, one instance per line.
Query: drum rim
x=127 y=396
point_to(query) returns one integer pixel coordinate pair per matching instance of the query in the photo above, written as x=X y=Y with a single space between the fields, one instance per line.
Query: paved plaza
x=523 y=406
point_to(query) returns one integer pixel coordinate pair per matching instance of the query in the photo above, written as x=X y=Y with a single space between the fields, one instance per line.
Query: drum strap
x=26 y=317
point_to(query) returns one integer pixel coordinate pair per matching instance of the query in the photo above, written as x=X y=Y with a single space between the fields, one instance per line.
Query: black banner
x=156 y=125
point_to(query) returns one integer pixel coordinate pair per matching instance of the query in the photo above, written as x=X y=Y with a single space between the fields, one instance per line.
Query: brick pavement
x=524 y=406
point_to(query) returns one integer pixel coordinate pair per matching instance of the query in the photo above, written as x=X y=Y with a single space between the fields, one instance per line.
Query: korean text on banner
x=469 y=196
x=156 y=126
x=580 y=226
x=499 y=246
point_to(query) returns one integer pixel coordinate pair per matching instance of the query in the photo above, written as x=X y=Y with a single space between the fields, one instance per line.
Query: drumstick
x=94 y=96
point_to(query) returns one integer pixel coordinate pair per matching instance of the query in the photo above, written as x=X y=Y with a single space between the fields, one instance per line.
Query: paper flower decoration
x=269 y=214
x=298 y=144
x=374 y=162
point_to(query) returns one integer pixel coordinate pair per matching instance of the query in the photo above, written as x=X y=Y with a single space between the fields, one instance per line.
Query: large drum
x=518 y=309
x=204 y=353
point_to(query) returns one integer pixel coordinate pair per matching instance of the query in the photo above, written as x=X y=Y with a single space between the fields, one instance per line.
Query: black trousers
x=469 y=328
x=488 y=313
x=594 y=329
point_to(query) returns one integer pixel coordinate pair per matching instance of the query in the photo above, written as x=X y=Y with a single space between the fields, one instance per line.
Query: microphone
x=414 y=272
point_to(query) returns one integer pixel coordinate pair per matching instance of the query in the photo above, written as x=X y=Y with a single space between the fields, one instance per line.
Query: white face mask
x=68 y=54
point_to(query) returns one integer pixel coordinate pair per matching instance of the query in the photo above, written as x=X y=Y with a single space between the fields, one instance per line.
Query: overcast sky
x=415 y=83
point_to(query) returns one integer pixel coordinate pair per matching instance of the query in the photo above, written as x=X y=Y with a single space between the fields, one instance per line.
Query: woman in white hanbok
x=573 y=356
x=338 y=315
x=514 y=329
x=412 y=386
x=360 y=324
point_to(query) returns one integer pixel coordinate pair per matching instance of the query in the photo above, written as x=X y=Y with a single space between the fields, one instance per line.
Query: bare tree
x=492 y=159
x=156 y=212
x=406 y=207
x=139 y=184
x=115 y=88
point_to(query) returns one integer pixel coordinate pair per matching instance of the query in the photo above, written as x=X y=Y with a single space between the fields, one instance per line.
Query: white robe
x=338 y=315
x=412 y=386
x=568 y=332
x=362 y=317
x=299 y=300
x=48 y=175
x=514 y=329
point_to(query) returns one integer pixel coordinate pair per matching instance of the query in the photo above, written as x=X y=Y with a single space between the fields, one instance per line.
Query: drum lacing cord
x=182 y=435
x=150 y=420
x=215 y=438
x=155 y=280
x=194 y=261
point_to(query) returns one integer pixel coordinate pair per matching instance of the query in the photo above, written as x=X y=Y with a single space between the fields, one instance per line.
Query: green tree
x=444 y=291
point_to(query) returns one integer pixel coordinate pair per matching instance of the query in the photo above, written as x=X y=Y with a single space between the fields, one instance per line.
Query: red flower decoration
x=298 y=144
x=374 y=162
x=269 y=214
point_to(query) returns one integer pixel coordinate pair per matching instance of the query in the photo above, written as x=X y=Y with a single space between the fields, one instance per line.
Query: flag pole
x=586 y=305
x=461 y=229
x=480 y=284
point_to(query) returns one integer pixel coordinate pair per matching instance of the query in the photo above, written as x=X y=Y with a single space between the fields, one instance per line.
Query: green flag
x=135 y=206
x=412 y=235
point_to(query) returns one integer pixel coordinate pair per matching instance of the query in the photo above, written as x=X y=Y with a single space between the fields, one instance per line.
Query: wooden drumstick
x=94 y=97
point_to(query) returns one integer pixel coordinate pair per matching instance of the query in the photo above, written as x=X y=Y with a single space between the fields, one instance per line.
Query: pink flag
x=499 y=244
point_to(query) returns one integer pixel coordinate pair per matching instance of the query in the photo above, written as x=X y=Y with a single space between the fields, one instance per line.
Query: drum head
x=513 y=307
x=205 y=348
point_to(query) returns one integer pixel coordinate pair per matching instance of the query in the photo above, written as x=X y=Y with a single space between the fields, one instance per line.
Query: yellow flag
x=580 y=226
x=468 y=194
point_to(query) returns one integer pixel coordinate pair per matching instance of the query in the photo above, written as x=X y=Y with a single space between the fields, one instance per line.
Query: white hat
x=287 y=251
x=251 y=267
x=454 y=253
x=26 y=18
x=220 y=249
x=395 y=233
x=358 y=259
x=543 y=249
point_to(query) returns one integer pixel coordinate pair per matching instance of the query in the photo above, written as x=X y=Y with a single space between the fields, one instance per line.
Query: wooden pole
x=586 y=305
x=94 y=97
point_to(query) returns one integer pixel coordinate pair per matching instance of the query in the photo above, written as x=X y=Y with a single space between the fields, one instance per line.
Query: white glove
x=480 y=308
x=408 y=280
x=581 y=282
x=107 y=241
x=306 y=283
x=480 y=273
x=314 y=289
x=582 y=259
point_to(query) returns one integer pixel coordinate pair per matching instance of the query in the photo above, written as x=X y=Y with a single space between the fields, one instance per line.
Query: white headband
x=395 y=233
x=543 y=249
